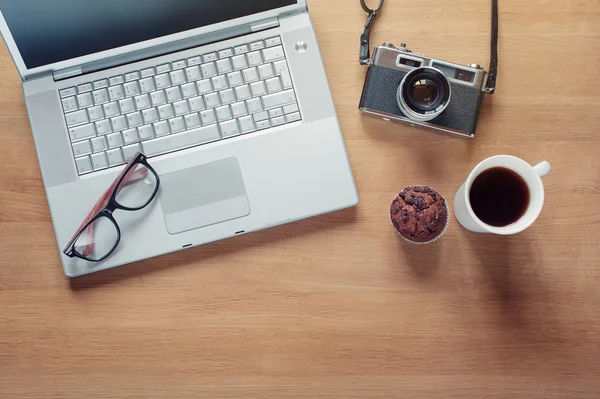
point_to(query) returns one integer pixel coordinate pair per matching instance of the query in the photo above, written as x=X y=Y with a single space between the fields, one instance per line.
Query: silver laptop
x=228 y=99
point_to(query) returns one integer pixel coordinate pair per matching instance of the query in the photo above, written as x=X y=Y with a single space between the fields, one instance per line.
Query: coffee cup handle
x=543 y=169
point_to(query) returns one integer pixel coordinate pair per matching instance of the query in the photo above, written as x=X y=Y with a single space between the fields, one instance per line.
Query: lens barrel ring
x=415 y=109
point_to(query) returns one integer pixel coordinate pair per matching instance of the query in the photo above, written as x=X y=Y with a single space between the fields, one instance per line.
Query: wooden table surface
x=338 y=306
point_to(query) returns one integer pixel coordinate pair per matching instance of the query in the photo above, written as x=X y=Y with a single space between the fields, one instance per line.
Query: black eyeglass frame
x=112 y=206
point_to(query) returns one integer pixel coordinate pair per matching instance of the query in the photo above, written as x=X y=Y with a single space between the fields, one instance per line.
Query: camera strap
x=365 y=54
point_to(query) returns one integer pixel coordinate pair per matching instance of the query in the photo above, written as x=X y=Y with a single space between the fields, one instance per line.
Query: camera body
x=423 y=92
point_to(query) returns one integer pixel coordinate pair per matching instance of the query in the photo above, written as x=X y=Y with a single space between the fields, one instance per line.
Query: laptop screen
x=49 y=31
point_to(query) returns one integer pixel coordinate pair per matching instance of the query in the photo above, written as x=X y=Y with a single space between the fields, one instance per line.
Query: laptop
x=228 y=100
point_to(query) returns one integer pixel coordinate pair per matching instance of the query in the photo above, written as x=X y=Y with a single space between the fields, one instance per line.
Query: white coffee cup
x=532 y=176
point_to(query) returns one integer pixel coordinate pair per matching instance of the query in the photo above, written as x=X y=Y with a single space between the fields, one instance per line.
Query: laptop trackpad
x=203 y=195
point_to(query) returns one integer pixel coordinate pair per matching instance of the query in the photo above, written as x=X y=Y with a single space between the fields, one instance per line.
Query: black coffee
x=499 y=197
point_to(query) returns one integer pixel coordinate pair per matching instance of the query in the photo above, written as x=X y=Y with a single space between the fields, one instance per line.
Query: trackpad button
x=203 y=195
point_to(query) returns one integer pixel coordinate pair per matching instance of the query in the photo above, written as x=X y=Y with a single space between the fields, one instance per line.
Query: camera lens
x=424 y=94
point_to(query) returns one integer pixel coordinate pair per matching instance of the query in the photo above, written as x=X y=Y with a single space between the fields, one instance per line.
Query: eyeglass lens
x=98 y=239
x=137 y=187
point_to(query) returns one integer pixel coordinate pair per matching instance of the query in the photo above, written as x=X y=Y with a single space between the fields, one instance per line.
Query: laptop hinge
x=265 y=24
x=67 y=73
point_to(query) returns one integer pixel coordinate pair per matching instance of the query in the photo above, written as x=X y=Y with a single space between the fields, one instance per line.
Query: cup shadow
x=204 y=253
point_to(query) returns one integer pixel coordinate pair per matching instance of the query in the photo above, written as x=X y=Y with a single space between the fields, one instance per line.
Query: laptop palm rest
x=203 y=195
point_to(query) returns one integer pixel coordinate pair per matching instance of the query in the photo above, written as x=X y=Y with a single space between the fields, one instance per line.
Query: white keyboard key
x=163 y=68
x=100 y=96
x=194 y=60
x=134 y=119
x=178 y=77
x=68 y=92
x=176 y=124
x=239 y=62
x=258 y=88
x=85 y=100
x=127 y=105
x=266 y=71
x=226 y=53
x=95 y=113
x=293 y=117
x=173 y=94
x=209 y=69
x=77 y=118
x=223 y=113
x=219 y=83
x=273 y=54
x=114 y=157
x=82 y=132
x=250 y=75
x=280 y=120
x=116 y=93
x=193 y=73
x=119 y=123
x=208 y=117
x=130 y=151
x=178 y=64
x=82 y=148
x=262 y=125
x=131 y=76
x=227 y=96
x=288 y=109
x=257 y=45
x=196 y=104
x=210 y=57
x=84 y=165
x=282 y=70
x=241 y=49
x=239 y=109
x=165 y=112
x=192 y=120
x=182 y=140
x=114 y=140
x=275 y=112
x=99 y=161
x=84 y=88
x=100 y=84
x=273 y=41
x=224 y=66
x=162 y=81
x=99 y=144
x=116 y=80
x=147 y=85
x=69 y=104
x=147 y=72
x=132 y=89
x=254 y=58
x=243 y=92
x=142 y=102
x=204 y=86
x=161 y=128
x=235 y=79
x=261 y=116
x=146 y=132
x=212 y=100
x=103 y=127
x=130 y=136
x=279 y=99
x=189 y=90
x=181 y=107
x=111 y=109
x=247 y=124
x=229 y=128
x=158 y=98
x=274 y=85
x=150 y=115
x=254 y=105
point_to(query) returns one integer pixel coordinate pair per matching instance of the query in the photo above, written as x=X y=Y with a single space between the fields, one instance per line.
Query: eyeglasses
x=99 y=234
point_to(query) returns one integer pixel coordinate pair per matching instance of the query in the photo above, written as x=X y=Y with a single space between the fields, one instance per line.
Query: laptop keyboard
x=179 y=105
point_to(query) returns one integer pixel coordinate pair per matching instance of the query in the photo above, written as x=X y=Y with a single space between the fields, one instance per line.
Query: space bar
x=180 y=141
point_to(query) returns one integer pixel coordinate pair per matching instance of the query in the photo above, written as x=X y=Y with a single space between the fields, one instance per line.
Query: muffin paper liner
x=436 y=238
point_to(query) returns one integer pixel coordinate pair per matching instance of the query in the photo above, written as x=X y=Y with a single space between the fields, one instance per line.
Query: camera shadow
x=423 y=260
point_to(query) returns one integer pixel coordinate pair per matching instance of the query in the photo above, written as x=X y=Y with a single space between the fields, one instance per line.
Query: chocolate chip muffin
x=420 y=214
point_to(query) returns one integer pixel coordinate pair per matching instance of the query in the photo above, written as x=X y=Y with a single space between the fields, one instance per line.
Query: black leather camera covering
x=381 y=86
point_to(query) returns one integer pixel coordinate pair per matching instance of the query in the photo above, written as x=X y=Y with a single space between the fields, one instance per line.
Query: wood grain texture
x=338 y=306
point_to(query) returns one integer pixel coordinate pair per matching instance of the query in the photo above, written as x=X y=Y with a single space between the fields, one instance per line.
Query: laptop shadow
x=193 y=257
